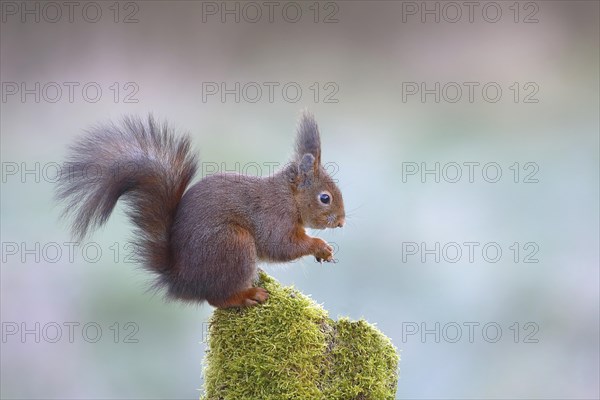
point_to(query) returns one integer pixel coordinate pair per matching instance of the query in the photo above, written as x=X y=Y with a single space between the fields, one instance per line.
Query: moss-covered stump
x=288 y=348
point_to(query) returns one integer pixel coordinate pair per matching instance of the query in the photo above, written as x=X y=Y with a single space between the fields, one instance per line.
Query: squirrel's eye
x=325 y=198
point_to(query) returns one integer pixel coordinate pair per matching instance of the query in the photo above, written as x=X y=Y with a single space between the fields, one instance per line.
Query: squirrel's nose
x=341 y=222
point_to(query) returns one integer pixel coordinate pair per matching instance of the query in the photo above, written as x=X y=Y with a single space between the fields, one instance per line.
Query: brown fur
x=204 y=244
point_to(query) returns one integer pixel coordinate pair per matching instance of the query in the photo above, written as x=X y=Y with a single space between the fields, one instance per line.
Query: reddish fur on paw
x=323 y=251
x=246 y=298
x=259 y=294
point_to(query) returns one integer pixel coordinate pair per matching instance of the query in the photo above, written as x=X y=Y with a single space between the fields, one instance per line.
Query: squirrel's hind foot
x=246 y=298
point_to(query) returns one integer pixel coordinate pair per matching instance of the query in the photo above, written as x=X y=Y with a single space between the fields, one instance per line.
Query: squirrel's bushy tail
x=141 y=162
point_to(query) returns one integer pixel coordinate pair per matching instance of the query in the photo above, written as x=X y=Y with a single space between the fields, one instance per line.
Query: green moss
x=362 y=363
x=288 y=348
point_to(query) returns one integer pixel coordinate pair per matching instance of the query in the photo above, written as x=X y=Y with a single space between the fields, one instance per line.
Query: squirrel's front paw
x=323 y=251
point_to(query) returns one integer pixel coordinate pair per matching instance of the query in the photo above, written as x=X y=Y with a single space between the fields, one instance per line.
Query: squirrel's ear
x=291 y=172
x=306 y=170
x=308 y=139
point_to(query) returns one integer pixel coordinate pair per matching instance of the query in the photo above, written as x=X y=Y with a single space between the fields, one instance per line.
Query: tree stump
x=289 y=348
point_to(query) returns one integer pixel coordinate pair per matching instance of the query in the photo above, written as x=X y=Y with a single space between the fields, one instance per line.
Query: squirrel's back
x=259 y=205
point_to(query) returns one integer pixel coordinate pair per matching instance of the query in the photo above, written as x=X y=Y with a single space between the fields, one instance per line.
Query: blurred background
x=464 y=138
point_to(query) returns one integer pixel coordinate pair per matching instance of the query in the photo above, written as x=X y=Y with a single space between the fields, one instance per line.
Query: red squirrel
x=202 y=243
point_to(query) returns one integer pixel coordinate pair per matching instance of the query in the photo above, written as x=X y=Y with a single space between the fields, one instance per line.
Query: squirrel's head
x=319 y=200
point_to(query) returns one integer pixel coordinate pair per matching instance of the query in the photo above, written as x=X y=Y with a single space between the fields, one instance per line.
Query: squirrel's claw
x=320 y=260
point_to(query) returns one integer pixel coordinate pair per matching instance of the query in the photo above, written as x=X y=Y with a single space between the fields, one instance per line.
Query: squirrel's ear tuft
x=308 y=139
x=306 y=169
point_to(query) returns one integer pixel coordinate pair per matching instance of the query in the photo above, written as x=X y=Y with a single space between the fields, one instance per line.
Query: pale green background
x=369 y=133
